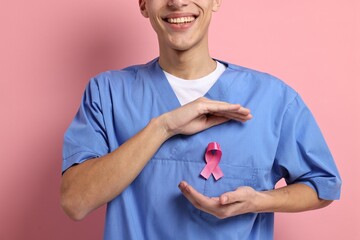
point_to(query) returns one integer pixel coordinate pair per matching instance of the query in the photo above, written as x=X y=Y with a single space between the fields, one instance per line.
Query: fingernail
x=225 y=199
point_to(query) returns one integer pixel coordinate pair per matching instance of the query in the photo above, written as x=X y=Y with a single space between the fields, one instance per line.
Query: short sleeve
x=303 y=155
x=86 y=136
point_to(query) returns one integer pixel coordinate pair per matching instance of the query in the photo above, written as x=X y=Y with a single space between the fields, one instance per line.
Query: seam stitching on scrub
x=107 y=77
x=226 y=164
x=81 y=152
x=290 y=105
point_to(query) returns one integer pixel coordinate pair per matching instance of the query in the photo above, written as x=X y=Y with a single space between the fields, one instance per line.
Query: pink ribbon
x=212 y=158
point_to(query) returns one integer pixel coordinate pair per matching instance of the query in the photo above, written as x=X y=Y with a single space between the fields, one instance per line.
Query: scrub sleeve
x=303 y=155
x=86 y=137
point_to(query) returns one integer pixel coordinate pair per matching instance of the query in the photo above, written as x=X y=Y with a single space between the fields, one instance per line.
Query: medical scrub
x=281 y=141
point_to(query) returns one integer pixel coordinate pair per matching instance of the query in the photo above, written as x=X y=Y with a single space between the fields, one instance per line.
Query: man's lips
x=180 y=18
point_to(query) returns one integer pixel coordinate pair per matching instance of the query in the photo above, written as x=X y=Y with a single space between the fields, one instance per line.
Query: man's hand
x=201 y=114
x=240 y=201
x=292 y=198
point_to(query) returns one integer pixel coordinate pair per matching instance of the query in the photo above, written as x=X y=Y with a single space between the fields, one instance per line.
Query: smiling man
x=139 y=140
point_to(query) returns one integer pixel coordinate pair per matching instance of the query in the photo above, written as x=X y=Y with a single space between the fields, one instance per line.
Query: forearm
x=95 y=182
x=292 y=198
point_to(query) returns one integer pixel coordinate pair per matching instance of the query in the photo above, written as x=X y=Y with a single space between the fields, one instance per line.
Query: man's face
x=180 y=24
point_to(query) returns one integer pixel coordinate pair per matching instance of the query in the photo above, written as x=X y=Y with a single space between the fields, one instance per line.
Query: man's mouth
x=180 y=20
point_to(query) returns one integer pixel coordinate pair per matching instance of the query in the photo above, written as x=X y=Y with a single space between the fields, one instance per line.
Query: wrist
x=265 y=201
x=159 y=123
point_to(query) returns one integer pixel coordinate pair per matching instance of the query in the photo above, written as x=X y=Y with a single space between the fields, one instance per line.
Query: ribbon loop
x=212 y=157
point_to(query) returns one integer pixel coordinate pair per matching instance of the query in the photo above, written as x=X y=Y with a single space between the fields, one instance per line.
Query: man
x=142 y=131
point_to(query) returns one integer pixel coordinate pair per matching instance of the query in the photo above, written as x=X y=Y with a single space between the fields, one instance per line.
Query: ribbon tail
x=217 y=173
x=205 y=173
x=209 y=168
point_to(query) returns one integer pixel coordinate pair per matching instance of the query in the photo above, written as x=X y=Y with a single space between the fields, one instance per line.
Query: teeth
x=181 y=20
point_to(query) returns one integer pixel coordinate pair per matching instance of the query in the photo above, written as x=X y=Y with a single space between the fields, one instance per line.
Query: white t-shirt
x=190 y=90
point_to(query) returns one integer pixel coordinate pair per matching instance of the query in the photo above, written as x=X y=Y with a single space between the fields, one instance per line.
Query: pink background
x=49 y=49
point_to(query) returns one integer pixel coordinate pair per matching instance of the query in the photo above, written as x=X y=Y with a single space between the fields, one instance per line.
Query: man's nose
x=177 y=3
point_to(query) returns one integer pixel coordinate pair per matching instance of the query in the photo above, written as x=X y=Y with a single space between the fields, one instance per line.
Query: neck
x=189 y=64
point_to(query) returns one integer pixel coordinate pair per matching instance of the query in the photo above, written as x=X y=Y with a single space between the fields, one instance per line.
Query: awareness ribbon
x=212 y=158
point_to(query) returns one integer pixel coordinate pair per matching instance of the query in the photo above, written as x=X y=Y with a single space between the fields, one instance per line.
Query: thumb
x=228 y=198
x=241 y=194
x=213 y=120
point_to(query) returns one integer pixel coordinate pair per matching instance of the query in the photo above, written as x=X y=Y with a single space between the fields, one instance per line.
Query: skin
x=184 y=53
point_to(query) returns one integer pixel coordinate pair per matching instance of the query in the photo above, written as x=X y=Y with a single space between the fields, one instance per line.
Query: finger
x=244 y=111
x=237 y=110
x=203 y=99
x=234 y=204
x=228 y=198
x=231 y=106
x=241 y=111
x=197 y=199
x=221 y=108
x=209 y=106
x=234 y=115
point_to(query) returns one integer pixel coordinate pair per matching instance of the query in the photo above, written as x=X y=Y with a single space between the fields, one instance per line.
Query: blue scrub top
x=281 y=141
